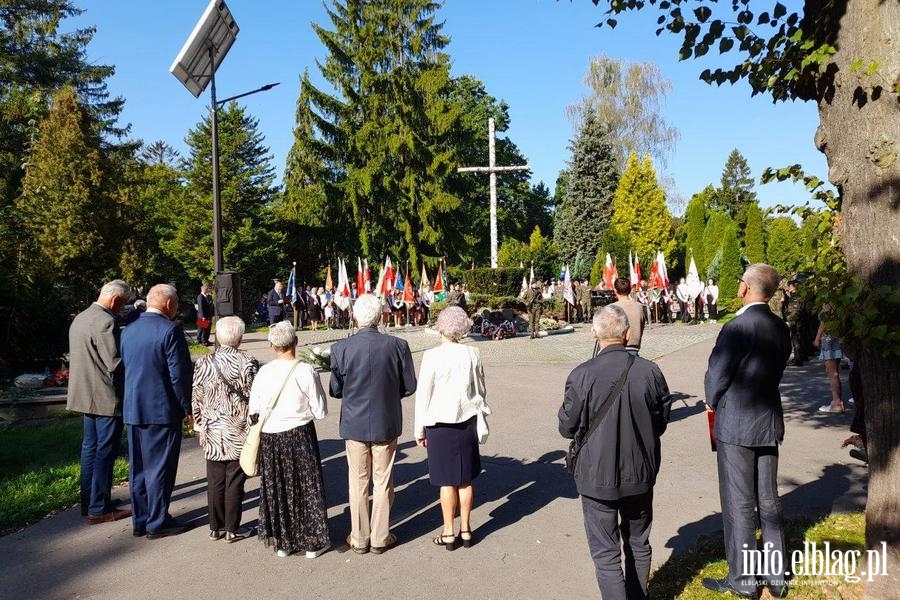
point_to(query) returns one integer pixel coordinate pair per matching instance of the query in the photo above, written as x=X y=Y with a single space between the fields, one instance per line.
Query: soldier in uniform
x=585 y=301
x=793 y=307
x=534 y=302
x=778 y=301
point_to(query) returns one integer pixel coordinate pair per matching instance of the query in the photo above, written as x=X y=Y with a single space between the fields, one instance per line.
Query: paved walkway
x=531 y=543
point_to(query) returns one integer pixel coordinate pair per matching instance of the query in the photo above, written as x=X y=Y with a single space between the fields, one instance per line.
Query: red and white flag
x=632 y=276
x=610 y=272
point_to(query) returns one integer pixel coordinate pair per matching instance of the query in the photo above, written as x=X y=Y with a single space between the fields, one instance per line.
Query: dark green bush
x=494 y=282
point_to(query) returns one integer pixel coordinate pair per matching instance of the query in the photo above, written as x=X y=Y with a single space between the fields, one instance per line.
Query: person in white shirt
x=427 y=301
x=292 y=514
x=684 y=298
x=449 y=396
x=711 y=294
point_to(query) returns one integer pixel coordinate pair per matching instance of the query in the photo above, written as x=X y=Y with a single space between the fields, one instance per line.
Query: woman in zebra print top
x=222 y=383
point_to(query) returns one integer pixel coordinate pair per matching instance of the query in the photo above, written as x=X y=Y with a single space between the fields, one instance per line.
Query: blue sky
x=531 y=53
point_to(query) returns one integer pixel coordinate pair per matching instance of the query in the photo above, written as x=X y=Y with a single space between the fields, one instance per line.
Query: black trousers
x=203 y=334
x=685 y=314
x=614 y=526
x=748 y=486
x=225 y=494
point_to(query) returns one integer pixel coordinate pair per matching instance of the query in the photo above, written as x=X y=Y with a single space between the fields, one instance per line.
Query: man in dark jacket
x=745 y=368
x=95 y=389
x=618 y=462
x=371 y=373
x=204 y=314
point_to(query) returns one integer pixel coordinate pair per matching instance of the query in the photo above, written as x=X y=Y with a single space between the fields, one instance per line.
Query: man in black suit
x=745 y=368
x=204 y=314
x=371 y=373
x=276 y=301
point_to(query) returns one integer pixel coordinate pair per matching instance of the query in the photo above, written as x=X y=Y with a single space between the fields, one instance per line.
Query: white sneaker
x=282 y=553
x=319 y=552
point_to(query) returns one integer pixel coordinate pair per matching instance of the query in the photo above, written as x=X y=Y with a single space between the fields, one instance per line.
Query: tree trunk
x=859 y=130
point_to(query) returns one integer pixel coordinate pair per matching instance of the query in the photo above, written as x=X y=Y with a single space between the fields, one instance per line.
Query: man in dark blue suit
x=745 y=369
x=158 y=374
x=371 y=373
x=276 y=301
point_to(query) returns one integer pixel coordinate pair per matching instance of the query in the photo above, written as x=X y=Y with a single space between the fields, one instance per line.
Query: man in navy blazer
x=371 y=373
x=745 y=369
x=158 y=375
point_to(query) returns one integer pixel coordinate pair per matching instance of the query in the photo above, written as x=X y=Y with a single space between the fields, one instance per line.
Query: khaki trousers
x=370 y=461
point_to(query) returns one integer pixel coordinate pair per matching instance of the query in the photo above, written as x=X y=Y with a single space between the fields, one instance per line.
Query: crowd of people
x=142 y=378
x=615 y=409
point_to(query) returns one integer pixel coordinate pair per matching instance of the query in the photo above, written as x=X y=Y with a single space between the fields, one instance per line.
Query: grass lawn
x=39 y=471
x=681 y=576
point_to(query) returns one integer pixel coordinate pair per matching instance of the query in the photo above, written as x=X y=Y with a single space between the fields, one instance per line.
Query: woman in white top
x=450 y=394
x=711 y=295
x=292 y=513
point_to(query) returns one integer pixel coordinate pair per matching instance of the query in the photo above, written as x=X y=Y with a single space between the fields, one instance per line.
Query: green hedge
x=494 y=282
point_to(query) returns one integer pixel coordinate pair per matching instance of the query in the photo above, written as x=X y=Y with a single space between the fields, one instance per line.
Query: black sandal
x=466 y=543
x=439 y=541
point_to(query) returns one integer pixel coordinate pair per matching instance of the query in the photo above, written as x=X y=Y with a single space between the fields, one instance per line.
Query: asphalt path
x=528 y=528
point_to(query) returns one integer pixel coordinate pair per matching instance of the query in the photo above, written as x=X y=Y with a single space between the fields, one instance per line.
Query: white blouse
x=302 y=400
x=450 y=386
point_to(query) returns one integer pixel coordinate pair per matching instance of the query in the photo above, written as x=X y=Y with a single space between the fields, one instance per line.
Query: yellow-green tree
x=640 y=213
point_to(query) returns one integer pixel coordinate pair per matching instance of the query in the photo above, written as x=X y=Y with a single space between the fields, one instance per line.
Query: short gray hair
x=229 y=331
x=116 y=288
x=282 y=335
x=762 y=279
x=160 y=293
x=610 y=322
x=453 y=323
x=367 y=311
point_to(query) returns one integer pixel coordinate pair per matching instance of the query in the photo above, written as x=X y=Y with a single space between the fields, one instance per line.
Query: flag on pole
x=568 y=293
x=440 y=291
x=292 y=285
x=366 y=277
x=424 y=280
x=398 y=281
x=408 y=295
x=360 y=278
x=531 y=278
x=663 y=274
x=694 y=285
x=342 y=294
x=655 y=282
x=610 y=273
x=524 y=287
x=329 y=283
x=632 y=276
x=386 y=279
x=637 y=269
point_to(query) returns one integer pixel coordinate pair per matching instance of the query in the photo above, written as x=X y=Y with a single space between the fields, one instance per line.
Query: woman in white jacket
x=449 y=396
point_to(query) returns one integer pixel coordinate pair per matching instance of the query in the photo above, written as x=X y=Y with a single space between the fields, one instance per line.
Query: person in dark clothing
x=204 y=315
x=618 y=462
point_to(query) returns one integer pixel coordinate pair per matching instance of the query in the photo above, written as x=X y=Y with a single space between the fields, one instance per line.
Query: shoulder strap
x=227 y=383
x=609 y=401
x=274 y=400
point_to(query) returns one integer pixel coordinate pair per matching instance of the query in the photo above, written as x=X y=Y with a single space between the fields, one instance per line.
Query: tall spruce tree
x=586 y=209
x=736 y=190
x=695 y=224
x=640 y=212
x=783 y=251
x=250 y=244
x=386 y=135
x=754 y=243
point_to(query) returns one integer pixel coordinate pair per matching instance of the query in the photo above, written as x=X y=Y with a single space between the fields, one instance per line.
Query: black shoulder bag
x=576 y=444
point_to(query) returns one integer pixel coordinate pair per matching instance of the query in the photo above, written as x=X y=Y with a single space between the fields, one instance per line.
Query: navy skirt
x=453 y=457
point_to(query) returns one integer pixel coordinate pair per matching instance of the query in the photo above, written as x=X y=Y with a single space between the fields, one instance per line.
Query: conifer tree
x=736 y=191
x=695 y=224
x=639 y=210
x=730 y=267
x=250 y=244
x=754 y=245
x=783 y=251
x=584 y=214
x=66 y=208
x=713 y=235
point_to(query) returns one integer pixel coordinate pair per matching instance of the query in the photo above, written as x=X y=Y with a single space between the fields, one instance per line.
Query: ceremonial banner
x=610 y=273
x=408 y=295
x=568 y=293
x=637 y=269
x=329 y=283
x=360 y=278
x=440 y=291
x=694 y=285
x=531 y=279
x=424 y=280
x=632 y=276
x=342 y=294
x=292 y=286
x=366 y=277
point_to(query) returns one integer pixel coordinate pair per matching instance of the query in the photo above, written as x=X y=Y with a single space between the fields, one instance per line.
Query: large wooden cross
x=493 y=169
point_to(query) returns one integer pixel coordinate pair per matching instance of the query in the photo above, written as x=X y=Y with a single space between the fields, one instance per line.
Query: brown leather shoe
x=391 y=542
x=108 y=517
x=357 y=549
